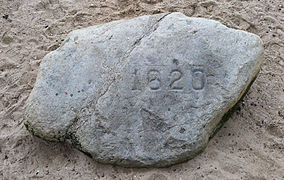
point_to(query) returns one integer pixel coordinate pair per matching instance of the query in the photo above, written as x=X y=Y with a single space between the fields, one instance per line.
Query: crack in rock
x=112 y=79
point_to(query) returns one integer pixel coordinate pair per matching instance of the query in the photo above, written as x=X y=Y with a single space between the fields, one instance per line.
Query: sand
x=250 y=145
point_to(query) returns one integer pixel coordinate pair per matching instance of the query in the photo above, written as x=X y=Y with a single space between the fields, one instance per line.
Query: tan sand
x=249 y=146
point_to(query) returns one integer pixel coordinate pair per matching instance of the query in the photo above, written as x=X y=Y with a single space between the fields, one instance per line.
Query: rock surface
x=149 y=91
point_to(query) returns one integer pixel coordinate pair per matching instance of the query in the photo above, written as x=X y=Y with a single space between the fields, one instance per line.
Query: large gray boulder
x=149 y=91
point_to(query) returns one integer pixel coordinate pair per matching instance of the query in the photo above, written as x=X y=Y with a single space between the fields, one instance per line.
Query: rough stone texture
x=149 y=91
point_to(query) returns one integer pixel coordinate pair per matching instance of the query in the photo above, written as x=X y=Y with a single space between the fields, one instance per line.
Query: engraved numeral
x=136 y=85
x=177 y=77
x=154 y=79
x=198 y=79
x=176 y=74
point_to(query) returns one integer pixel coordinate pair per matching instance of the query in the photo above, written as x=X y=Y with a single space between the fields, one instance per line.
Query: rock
x=5 y=16
x=149 y=91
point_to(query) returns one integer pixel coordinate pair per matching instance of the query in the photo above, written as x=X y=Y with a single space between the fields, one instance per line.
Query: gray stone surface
x=142 y=92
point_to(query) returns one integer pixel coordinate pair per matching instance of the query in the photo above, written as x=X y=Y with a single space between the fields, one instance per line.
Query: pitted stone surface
x=149 y=91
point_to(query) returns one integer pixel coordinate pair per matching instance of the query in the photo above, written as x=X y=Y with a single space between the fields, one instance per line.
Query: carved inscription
x=176 y=75
x=198 y=79
x=154 y=79
x=170 y=78
x=136 y=85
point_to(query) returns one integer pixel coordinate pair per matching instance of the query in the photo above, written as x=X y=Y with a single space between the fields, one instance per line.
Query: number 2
x=176 y=74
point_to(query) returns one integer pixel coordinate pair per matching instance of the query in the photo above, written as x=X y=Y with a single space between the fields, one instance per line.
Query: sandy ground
x=249 y=146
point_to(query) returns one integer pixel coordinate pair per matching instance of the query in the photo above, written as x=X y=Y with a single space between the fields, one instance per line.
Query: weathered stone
x=149 y=91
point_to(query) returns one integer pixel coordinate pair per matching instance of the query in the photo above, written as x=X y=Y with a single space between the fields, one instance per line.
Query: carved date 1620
x=176 y=79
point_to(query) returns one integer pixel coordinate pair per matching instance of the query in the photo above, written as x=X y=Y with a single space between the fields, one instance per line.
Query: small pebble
x=5 y=16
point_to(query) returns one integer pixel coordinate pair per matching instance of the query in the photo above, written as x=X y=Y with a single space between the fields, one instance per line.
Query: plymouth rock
x=148 y=91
